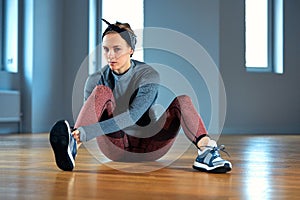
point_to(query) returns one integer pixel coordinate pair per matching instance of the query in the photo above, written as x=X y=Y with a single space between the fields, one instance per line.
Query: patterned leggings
x=120 y=146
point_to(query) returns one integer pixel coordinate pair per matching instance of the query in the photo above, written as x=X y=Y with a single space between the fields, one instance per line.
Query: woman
x=120 y=112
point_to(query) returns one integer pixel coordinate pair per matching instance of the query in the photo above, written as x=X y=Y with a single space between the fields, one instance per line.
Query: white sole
x=219 y=168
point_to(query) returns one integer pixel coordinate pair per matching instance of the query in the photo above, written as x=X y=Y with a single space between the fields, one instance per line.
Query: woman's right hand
x=76 y=135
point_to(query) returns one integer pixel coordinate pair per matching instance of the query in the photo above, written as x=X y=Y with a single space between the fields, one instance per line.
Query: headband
x=129 y=37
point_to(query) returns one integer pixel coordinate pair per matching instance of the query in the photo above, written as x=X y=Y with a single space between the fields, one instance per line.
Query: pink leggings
x=120 y=146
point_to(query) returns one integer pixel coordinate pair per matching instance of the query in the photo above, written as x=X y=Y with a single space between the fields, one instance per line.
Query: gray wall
x=196 y=19
x=47 y=70
x=75 y=44
x=257 y=102
x=59 y=45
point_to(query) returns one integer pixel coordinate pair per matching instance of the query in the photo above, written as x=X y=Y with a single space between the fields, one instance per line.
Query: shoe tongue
x=212 y=143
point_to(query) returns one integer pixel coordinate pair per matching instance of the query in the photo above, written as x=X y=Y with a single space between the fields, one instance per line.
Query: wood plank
x=264 y=167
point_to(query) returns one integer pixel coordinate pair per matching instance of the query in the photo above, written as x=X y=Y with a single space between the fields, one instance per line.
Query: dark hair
x=123 y=29
x=124 y=26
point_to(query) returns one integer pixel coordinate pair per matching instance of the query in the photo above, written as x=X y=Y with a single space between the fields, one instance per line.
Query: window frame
x=95 y=7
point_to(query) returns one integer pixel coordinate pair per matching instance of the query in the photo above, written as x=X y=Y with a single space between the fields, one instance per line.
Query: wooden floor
x=264 y=167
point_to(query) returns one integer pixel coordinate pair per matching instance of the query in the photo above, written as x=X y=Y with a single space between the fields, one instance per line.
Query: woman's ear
x=131 y=51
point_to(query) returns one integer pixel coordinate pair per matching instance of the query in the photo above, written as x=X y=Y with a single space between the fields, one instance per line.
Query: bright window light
x=10 y=35
x=256 y=19
x=264 y=29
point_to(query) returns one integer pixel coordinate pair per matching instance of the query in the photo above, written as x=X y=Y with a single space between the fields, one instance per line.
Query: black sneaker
x=209 y=160
x=63 y=145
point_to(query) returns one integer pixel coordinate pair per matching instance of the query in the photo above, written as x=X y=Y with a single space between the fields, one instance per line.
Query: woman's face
x=116 y=52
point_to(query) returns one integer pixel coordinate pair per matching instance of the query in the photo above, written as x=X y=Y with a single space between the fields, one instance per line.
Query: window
x=112 y=11
x=264 y=35
x=9 y=35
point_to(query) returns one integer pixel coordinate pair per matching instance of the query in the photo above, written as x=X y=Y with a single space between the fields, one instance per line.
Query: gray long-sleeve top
x=135 y=92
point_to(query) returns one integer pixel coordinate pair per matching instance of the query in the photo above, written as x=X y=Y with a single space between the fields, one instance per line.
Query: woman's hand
x=76 y=136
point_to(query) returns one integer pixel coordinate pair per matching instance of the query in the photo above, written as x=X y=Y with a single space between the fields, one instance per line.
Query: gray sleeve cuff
x=82 y=134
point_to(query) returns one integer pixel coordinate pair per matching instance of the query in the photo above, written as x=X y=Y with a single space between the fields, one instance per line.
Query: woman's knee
x=103 y=92
x=101 y=89
x=184 y=99
x=181 y=100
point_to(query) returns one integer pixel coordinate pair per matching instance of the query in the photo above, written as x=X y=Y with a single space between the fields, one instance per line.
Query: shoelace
x=220 y=148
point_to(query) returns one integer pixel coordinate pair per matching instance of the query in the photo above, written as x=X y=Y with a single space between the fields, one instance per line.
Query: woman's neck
x=124 y=69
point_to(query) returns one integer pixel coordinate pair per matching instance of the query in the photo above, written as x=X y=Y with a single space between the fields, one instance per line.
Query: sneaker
x=209 y=160
x=63 y=145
